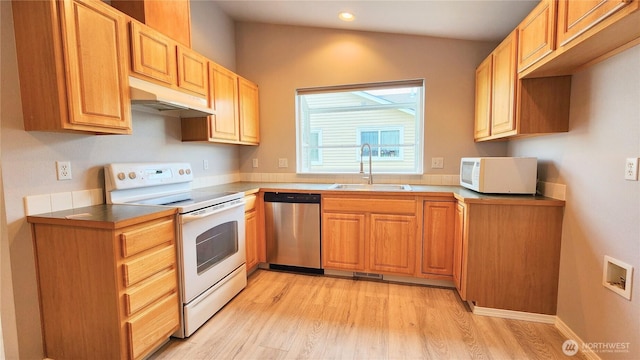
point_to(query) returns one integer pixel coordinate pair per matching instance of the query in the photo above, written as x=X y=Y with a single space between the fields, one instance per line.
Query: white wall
x=28 y=168
x=603 y=210
x=281 y=59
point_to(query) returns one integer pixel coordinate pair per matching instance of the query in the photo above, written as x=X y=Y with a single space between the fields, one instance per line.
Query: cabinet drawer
x=153 y=326
x=150 y=291
x=139 y=239
x=379 y=206
x=145 y=266
x=250 y=203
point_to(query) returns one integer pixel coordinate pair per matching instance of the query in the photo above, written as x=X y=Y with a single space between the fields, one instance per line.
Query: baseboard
x=511 y=314
x=569 y=334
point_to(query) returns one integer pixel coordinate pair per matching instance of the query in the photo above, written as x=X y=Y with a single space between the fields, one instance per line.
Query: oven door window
x=216 y=244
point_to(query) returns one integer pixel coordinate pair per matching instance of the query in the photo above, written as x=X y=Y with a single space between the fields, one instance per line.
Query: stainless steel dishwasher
x=292 y=224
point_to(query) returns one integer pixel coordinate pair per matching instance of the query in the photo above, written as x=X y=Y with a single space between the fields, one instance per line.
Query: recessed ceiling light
x=346 y=16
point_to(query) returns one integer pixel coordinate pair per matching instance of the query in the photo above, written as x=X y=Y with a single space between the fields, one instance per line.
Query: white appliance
x=210 y=233
x=499 y=175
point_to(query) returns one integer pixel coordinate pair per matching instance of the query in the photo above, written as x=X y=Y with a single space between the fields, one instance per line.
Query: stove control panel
x=121 y=176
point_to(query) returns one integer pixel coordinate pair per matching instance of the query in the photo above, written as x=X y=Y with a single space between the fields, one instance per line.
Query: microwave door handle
x=189 y=217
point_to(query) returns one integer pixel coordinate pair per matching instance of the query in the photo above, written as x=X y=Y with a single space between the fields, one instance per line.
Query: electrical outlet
x=63 y=170
x=205 y=164
x=437 y=163
x=283 y=163
x=631 y=169
x=255 y=163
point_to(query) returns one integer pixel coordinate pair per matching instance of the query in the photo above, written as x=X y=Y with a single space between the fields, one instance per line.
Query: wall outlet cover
x=631 y=169
x=63 y=170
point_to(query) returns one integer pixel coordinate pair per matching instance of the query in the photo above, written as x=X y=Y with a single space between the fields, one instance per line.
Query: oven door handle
x=189 y=217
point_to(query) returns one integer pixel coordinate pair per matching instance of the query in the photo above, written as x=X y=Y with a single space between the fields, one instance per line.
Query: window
x=384 y=143
x=333 y=123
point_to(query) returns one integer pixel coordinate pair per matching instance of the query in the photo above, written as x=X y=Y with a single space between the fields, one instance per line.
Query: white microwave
x=499 y=175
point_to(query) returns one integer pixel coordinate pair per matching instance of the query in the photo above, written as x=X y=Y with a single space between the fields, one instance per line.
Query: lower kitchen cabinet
x=459 y=256
x=437 y=250
x=107 y=283
x=391 y=244
x=344 y=239
x=375 y=234
x=251 y=231
x=509 y=253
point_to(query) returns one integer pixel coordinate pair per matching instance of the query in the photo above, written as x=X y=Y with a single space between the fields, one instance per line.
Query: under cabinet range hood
x=168 y=101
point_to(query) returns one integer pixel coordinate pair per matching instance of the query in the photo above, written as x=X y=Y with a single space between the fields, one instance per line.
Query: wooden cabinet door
x=459 y=251
x=193 y=72
x=153 y=55
x=249 y=112
x=576 y=17
x=172 y=18
x=344 y=241
x=95 y=48
x=438 y=238
x=392 y=243
x=536 y=34
x=483 y=99
x=225 y=124
x=251 y=236
x=503 y=99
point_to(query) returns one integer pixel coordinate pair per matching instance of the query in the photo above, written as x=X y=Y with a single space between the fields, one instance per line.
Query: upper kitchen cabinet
x=576 y=17
x=581 y=33
x=503 y=80
x=158 y=59
x=225 y=124
x=536 y=34
x=72 y=66
x=507 y=107
x=192 y=72
x=249 y=112
x=172 y=18
x=483 y=99
x=235 y=102
x=153 y=56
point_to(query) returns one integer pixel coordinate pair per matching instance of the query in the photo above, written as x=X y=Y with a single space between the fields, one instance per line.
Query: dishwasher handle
x=295 y=198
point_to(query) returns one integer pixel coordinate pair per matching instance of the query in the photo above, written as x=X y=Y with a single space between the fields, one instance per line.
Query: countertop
x=457 y=192
x=103 y=216
x=107 y=216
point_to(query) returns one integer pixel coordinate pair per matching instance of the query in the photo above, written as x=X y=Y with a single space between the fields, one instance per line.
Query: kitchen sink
x=372 y=187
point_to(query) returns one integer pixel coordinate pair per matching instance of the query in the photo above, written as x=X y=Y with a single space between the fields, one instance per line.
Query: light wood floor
x=283 y=315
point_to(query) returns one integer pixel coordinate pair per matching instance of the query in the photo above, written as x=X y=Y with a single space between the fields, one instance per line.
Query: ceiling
x=485 y=20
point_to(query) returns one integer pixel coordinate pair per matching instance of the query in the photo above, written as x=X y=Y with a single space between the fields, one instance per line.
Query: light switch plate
x=283 y=163
x=437 y=163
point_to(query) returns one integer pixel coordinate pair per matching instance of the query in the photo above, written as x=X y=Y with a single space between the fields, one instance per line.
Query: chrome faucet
x=370 y=177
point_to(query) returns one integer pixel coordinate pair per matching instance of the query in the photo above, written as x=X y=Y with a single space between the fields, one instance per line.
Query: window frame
x=416 y=130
